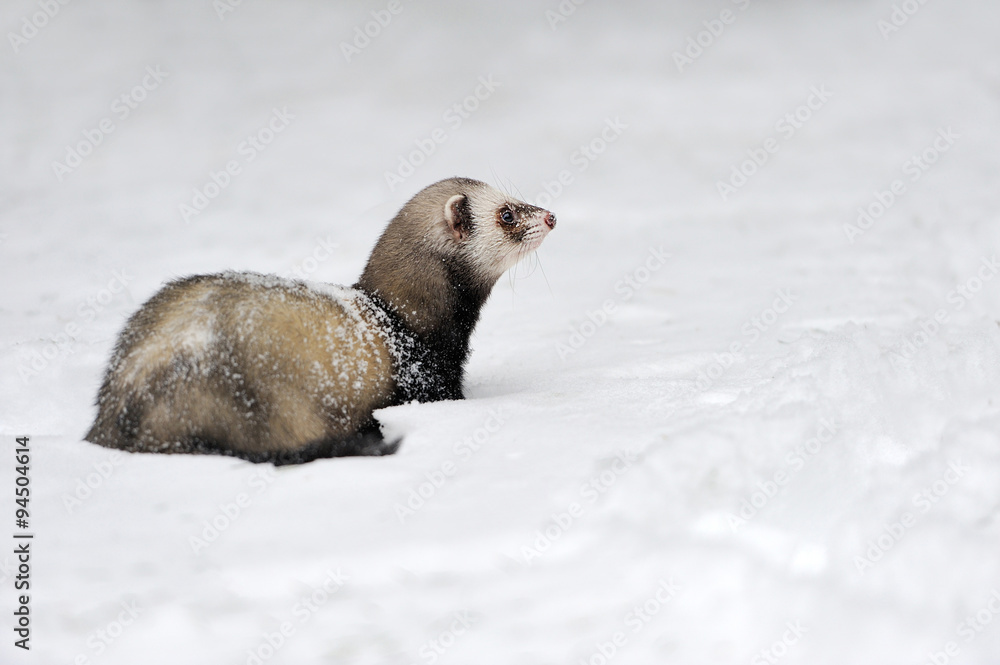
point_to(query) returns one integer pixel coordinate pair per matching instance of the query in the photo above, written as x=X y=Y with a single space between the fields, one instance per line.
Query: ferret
x=273 y=370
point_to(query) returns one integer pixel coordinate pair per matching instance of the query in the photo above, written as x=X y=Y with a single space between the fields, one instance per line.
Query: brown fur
x=273 y=370
x=200 y=360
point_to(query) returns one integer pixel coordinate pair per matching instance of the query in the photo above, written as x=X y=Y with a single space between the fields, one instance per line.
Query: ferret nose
x=550 y=220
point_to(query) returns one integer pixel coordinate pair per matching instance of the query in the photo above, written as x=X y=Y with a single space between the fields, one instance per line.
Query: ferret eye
x=507 y=217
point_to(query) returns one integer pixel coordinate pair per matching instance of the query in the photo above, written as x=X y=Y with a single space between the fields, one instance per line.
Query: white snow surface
x=610 y=439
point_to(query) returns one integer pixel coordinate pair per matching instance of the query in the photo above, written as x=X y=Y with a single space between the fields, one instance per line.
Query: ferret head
x=480 y=227
x=455 y=236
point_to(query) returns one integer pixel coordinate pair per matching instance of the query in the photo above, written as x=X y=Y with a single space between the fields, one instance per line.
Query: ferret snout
x=550 y=220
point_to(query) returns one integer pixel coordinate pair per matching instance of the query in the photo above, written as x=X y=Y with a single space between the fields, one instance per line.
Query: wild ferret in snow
x=273 y=370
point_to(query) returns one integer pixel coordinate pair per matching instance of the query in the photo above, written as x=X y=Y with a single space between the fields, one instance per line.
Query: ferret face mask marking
x=501 y=232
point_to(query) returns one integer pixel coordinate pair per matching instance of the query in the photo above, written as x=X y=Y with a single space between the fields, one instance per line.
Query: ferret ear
x=458 y=217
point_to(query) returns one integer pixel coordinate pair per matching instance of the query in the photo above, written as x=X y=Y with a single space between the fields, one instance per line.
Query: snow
x=858 y=420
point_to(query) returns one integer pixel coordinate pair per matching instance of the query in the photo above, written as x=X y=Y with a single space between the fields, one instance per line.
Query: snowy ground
x=779 y=444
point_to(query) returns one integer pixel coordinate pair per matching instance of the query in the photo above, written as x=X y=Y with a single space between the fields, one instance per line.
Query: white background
x=700 y=447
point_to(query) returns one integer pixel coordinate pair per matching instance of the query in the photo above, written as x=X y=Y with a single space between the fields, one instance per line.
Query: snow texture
x=742 y=407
